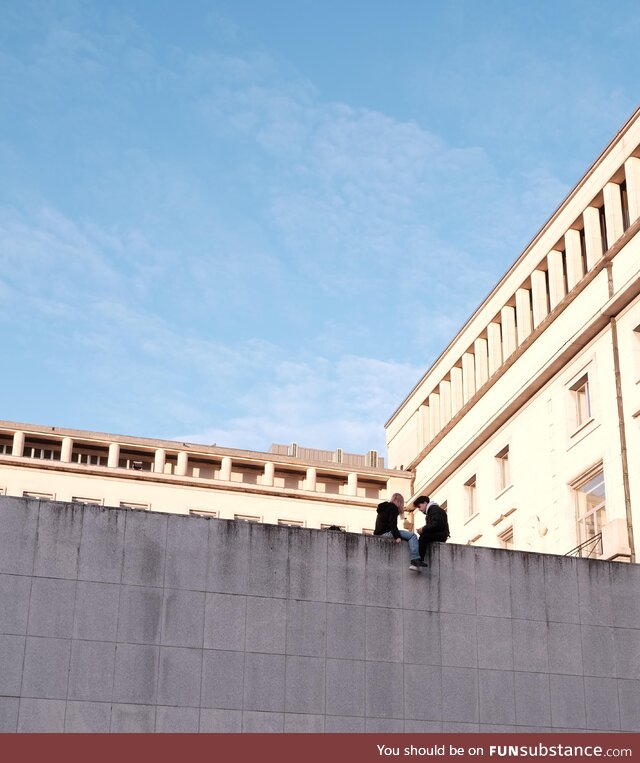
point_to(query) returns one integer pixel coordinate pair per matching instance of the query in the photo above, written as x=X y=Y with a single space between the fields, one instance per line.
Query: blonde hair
x=398 y=499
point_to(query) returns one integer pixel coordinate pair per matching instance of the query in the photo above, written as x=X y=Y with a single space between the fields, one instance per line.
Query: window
x=581 y=401
x=6 y=446
x=203 y=513
x=38 y=496
x=503 y=474
x=590 y=506
x=624 y=198
x=471 y=496
x=131 y=505
x=506 y=538
x=245 y=518
x=291 y=523
x=47 y=454
x=89 y=501
x=333 y=527
x=91 y=459
x=367 y=531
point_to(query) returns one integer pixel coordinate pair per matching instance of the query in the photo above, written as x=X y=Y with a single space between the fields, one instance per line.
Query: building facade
x=527 y=427
x=311 y=489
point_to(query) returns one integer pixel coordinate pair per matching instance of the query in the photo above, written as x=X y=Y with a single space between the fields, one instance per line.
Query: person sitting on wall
x=436 y=528
x=387 y=527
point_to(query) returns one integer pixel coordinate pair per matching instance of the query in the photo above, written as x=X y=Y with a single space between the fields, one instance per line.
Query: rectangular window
x=203 y=513
x=470 y=490
x=603 y=229
x=581 y=401
x=245 y=518
x=590 y=507
x=506 y=538
x=624 y=198
x=38 y=496
x=367 y=531
x=333 y=527
x=132 y=505
x=291 y=523
x=503 y=473
x=88 y=501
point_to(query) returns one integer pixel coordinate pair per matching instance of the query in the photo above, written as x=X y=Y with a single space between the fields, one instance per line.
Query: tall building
x=527 y=427
x=290 y=485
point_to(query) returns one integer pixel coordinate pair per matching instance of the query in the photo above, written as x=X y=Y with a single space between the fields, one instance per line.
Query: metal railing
x=590 y=548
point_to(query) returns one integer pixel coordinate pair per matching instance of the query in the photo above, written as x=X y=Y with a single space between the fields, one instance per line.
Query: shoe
x=415 y=565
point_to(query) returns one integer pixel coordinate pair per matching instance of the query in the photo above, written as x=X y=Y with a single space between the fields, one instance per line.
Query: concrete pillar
x=67 y=450
x=352 y=483
x=468 y=376
x=159 y=460
x=481 y=355
x=114 y=455
x=310 y=480
x=555 y=268
x=632 y=175
x=445 y=402
x=183 y=463
x=434 y=413
x=592 y=235
x=575 y=260
x=269 y=473
x=494 y=347
x=17 y=448
x=508 y=321
x=225 y=469
x=457 y=397
x=423 y=426
x=540 y=297
x=523 y=314
x=613 y=212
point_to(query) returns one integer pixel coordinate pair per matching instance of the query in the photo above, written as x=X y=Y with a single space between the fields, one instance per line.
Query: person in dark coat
x=436 y=528
x=387 y=527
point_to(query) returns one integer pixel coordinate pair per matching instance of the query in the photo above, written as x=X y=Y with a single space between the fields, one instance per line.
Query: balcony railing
x=588 y=549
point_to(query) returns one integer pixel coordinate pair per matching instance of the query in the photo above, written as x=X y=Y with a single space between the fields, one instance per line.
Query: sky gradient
x=260 y=221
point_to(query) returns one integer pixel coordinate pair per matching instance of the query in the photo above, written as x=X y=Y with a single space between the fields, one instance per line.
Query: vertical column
x=592 y=235
x=114 y=455
x=434 y=413
x=539 y=295
x=468 y=376
x=481 y=355
x=66 y=450
x=269 y=473
x=508 y=321
x=555 y=268
x=457 y=397
x=613 y=211
x=494 y=342
x=225 y=469
x=183 y=463
x=352 y=483
x=17 y=447
x=423 y=426
x=310 y=480
x=159 y=460
x=574 y=257
x=523 y=312
x=632 y=176
x=445 y=402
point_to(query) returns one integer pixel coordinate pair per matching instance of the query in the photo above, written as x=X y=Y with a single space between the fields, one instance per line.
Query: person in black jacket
x=387 y=526
x=436 y=528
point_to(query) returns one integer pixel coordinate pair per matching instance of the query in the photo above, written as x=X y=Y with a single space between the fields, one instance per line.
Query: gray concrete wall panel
x=132 y=621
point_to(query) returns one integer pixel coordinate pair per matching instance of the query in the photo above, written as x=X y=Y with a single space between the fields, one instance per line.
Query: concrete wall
x=118 y=620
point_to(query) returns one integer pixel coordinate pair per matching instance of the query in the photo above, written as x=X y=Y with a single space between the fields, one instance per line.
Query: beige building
x=289 y=486
x=528 y=424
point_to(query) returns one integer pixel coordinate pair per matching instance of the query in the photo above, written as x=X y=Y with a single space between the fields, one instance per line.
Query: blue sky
x=260 y=221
